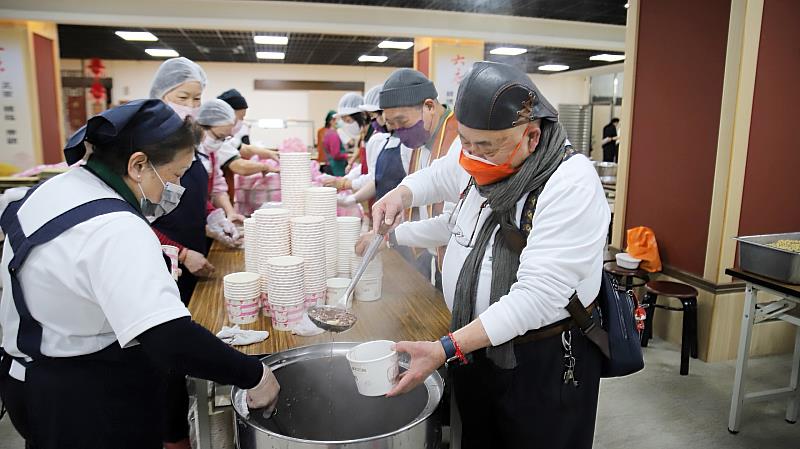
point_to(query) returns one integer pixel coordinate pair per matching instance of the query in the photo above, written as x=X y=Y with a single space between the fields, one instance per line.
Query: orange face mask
x=487 y=172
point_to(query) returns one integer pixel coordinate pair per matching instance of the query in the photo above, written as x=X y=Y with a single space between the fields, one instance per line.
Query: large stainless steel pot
x=319 y=407
x=605 y=168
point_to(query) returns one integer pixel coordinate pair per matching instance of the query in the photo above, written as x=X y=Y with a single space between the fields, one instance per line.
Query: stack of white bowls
x=371 y=282
x=295 y=179
x=250 y=245
x=321 y=202
x=308 y=242
x=242 y=297
x=286 y=291
x=348 y=231
x=273 y=240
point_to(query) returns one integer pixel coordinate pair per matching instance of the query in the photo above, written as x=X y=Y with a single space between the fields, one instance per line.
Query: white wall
x=132 y=80
x=563 y=89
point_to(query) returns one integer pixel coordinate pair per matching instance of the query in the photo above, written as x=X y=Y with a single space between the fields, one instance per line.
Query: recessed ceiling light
x=396 y=45
x=162 y=52
x=271 y=40
x=553 y=67
x=143 y=36
x=508 y=51
x=368 y=58
x=270 y=55
x=607 y=57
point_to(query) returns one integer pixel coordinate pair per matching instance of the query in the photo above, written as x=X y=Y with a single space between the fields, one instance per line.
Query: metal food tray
x=756 y=257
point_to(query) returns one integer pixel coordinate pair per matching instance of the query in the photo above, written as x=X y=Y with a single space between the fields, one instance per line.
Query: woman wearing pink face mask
x=180 y=82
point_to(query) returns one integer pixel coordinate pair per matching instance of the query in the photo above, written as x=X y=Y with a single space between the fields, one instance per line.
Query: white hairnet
x=174 y=72
x=349 y=104
x=371 y=100
x=216 y=113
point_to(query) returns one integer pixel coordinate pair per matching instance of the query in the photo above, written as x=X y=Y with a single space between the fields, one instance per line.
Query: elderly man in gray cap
x=527 y=232
x=420 y=122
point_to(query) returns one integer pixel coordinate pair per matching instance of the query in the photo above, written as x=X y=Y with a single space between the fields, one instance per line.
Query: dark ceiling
x=598 y=11
x=83 y=42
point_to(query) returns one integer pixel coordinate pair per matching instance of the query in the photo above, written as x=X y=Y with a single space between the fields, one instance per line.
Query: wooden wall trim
x=350 y=86
x=629 y=73
x=727 y=120
x=741 y=136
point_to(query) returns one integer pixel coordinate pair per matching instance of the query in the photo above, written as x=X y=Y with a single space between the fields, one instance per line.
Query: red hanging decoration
x=96 y=67
x=97 y=90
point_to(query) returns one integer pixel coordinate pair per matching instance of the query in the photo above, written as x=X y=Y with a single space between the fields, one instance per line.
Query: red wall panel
x=771 y=198
x=680 y=64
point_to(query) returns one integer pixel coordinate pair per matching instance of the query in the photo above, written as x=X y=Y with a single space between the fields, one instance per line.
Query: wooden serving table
x=410 y=308
x=785 y=309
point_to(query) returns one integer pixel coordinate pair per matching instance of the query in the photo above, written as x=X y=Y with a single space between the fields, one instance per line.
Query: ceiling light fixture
x=607 y=57
x=141 y=36
x=270 y=55
x=397 y=45
x=553 y=67
x=508 y=51
x=271 y=40
x=162 y=52
x=626 y=5
x=368 y=58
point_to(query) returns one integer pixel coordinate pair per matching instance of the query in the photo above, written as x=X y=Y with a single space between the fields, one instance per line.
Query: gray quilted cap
x=493 y=93
x=406 y=87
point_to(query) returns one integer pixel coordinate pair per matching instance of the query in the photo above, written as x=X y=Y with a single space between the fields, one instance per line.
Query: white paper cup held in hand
x=375 y=367
x=172 y=252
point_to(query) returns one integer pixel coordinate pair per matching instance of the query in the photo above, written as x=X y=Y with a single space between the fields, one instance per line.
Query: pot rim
x=434 y=384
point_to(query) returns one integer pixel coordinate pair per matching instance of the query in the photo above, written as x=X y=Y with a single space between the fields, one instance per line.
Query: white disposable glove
x=221 y=229
x=265 y=394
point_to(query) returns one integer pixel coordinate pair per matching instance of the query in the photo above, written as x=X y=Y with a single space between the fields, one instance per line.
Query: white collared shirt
x=564 y=252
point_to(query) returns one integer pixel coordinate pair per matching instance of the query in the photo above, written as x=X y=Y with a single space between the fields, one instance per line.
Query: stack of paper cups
x=250 y=245
x=308 y=242
x=295 y=179
x=273 y=240
x=286 y=291
x=321 y=202
x=242 y=297
x=348 y=231
x=371 y=282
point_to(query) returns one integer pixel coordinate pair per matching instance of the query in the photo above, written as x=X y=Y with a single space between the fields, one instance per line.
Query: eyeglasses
x=458 y=233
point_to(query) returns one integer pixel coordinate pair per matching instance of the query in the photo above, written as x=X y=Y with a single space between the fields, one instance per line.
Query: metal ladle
x=336 y=317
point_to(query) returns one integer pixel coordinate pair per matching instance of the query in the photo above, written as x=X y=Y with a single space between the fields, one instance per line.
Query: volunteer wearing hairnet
x=91 y=316
x=219 y=121
x=241 y=131
x=180 y=83
x=528 y=232
x=338 y=142
x=216 y=118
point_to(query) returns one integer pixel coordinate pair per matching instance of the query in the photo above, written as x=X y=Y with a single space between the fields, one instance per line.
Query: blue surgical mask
x=170 y=198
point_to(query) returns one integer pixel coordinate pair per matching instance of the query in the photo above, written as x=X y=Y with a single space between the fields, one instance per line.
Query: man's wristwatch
x=449 y=351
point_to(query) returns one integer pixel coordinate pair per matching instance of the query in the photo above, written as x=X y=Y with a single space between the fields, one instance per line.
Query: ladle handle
x=369 y=254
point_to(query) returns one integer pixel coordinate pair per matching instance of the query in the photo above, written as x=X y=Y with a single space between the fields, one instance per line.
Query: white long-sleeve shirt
x=564 y=252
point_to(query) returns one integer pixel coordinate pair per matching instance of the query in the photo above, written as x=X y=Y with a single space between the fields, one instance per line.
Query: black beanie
x=233 y=98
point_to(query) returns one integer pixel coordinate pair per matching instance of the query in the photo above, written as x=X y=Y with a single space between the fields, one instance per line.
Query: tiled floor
x=659 y=409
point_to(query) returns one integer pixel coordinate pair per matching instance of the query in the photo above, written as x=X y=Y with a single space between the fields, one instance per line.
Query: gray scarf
x=502 y=197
